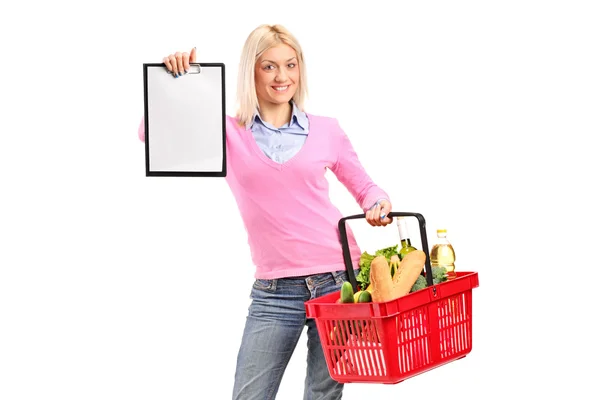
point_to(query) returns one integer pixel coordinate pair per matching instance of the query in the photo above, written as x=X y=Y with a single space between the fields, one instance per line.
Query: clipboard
x=185 y=121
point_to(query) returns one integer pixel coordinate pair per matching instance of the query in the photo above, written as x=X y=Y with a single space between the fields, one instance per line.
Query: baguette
x=386 y=288
x=410 y=268
x=381 y=280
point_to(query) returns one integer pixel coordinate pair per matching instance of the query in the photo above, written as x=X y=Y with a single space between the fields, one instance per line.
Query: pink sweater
x=289 y=218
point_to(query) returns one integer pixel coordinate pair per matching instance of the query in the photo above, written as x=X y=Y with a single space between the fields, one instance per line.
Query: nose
x=281 y=76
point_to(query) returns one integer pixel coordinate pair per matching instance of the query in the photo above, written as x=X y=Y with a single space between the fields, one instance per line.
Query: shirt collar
x=297 y=116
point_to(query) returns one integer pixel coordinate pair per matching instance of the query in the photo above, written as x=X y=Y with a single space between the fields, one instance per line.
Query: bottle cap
x=441 y=231
x=402 y=228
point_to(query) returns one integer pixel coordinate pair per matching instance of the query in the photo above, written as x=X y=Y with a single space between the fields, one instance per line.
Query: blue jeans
x=275 y=321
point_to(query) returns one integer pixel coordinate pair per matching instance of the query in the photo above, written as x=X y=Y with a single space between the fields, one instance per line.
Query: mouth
x=281 y=89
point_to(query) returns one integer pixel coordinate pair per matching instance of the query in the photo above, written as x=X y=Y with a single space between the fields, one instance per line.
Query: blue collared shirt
x=281 y=144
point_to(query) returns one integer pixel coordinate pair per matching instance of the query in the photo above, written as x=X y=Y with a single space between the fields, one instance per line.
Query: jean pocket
x=341 y=276
x=267 y=285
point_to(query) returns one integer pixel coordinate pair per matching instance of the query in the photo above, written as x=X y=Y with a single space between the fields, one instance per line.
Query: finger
x=369 y=217
x=374 y=217
x=186 y=62
x=383 y=212
x=386 y=208
x=377 y=215
x=179 y=58
x=173 y=63
x=193 y=55
x=168 y=64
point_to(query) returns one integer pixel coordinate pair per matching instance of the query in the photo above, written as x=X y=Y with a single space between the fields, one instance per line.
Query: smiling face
x=277 y=75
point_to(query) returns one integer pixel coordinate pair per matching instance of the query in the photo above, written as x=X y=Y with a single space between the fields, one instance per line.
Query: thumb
x=385 y=208
x=193 y=55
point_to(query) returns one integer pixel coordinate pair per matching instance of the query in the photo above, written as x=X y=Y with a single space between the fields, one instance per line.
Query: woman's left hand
x=374 y=215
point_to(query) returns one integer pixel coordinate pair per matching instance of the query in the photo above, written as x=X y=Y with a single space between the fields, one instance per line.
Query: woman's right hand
x=179 y=63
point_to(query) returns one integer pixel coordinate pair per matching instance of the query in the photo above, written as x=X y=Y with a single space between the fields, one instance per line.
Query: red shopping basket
x=395 y=340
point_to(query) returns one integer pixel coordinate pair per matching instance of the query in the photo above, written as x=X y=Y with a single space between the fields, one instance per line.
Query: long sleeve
x=141 y=131
x=353 y=176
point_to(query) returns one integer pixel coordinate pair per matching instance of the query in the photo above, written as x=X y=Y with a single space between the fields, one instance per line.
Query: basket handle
x=346 y=248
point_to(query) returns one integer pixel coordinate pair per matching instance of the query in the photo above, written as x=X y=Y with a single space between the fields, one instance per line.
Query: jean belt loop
x=338 y=277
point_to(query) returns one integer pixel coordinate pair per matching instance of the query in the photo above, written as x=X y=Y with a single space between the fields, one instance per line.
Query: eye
x=292 y=65
x=269 y=67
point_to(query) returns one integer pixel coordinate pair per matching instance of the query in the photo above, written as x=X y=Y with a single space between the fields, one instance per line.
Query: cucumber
x=364 y=297
x=347 y=293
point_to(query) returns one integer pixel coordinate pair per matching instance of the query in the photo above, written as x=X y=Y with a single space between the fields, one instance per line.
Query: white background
x=481 y=115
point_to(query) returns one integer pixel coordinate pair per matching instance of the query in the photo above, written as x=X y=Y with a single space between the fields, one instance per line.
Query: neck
x=275 y=114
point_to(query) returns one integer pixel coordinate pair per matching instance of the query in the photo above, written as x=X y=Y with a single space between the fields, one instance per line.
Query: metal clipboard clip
x=195 y=68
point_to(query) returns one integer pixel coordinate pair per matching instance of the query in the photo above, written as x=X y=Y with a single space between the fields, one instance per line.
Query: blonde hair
x=260 y=40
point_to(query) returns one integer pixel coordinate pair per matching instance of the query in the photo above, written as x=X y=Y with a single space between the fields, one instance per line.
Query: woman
x=277 y=155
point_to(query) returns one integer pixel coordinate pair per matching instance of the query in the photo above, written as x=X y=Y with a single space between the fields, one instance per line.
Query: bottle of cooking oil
x=442 y=254
x=406 y=246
